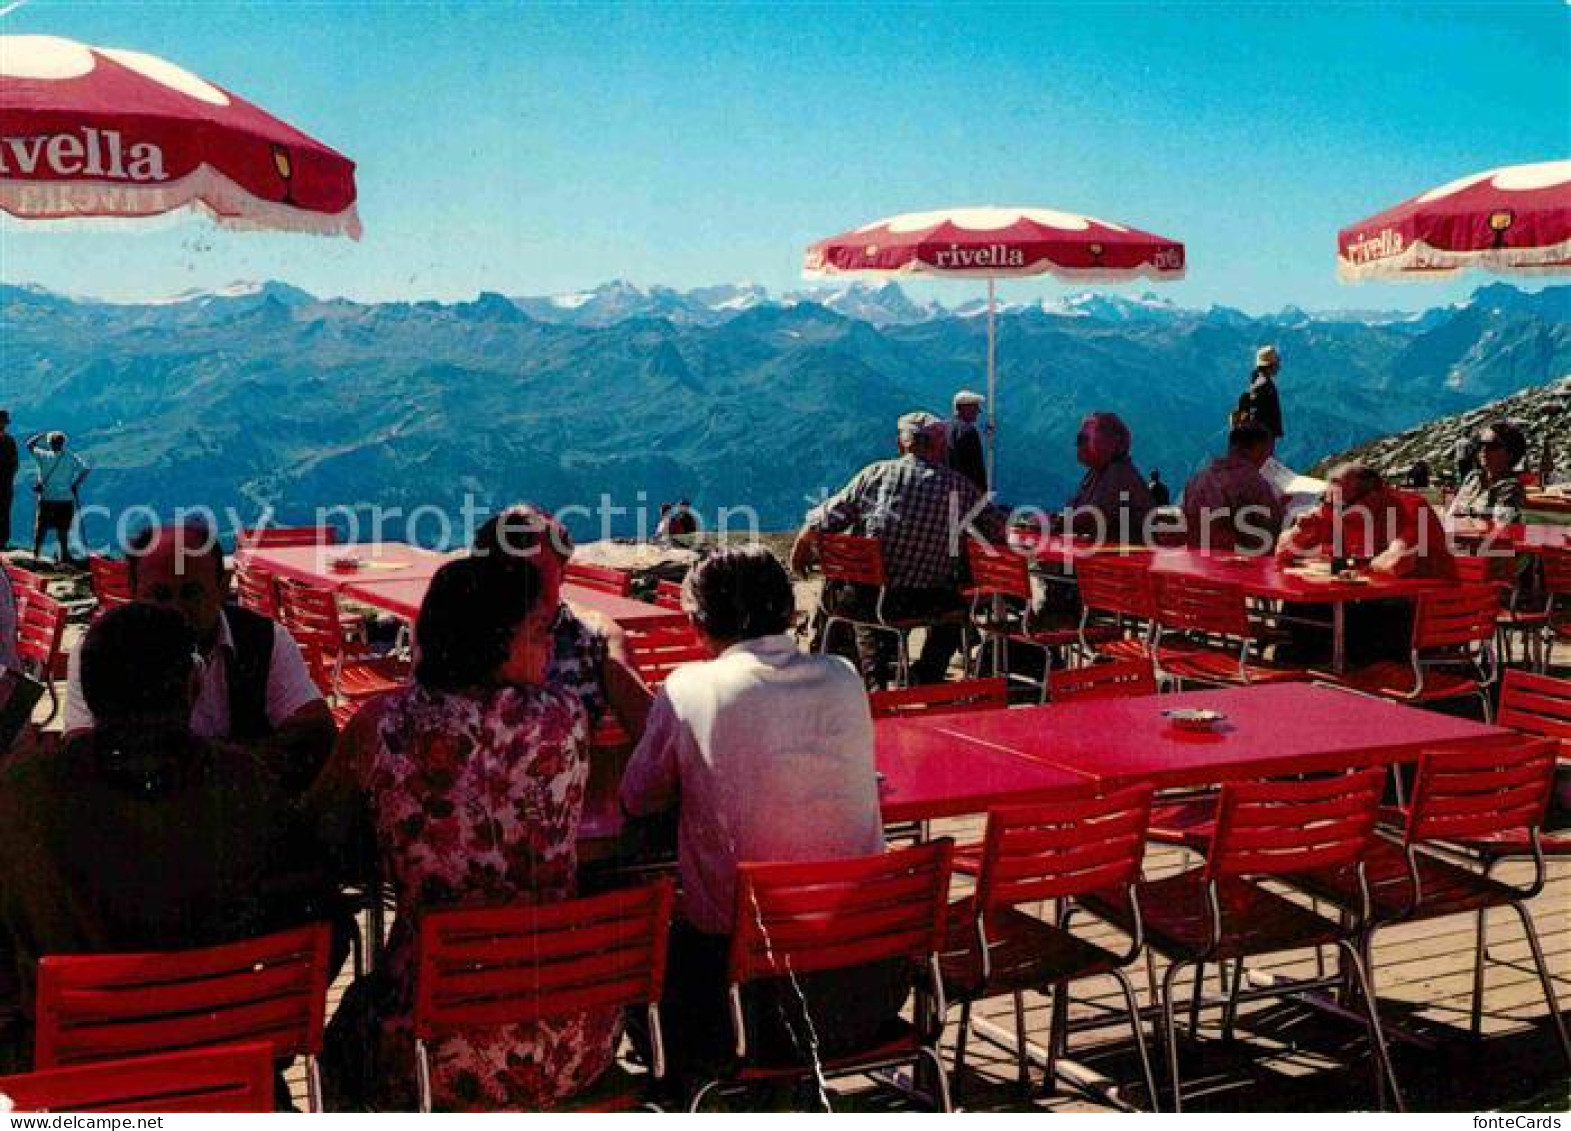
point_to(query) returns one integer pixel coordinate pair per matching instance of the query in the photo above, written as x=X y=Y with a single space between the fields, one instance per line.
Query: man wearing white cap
x=964 y=439
x=1259 y=402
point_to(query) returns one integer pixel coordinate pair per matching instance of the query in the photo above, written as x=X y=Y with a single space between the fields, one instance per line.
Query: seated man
x=767 y=754
x=140 y=835
x=1112 y=501
x=1228 y=505
x=1394 y=532
x=921 y=511
x=254 y=687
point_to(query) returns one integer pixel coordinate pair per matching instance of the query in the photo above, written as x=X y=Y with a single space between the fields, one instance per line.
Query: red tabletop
x=1066 y=548
x=928 y=773
x=1510 y=537
x=1263 y=577
x=402 y=596
x=1270 y=730
x=379 y=562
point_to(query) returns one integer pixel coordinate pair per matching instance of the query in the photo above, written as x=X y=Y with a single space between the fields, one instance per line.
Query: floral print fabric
x=477 y=801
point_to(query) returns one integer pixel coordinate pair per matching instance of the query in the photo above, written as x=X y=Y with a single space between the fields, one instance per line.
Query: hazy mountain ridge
x=261 y=393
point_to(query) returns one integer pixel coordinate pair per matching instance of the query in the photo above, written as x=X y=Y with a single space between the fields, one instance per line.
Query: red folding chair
x=1451 y=656
x=1051 y=850
x=336 y=657
x=1461 y=795
x=603 y=579
x=668 y=595
x=110 y=579
x=1220 y=912
x=1001 y=613
x=1220 y=645
x=1110 y=679
x=854 y=560
x=255 y=590
x=961 y=697
x=111 y=1006
x=657 y=652
x=1117 y=605
x=794 y=919
x=483 y=967
x=229 y=1078
x=40 y=636
x=259 y=536
x=25 y=580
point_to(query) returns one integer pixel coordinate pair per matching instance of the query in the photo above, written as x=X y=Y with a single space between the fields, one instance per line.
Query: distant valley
x=265 y=395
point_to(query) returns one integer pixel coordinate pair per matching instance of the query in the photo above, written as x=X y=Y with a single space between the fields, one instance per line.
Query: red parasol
x=1515 y=220
x=92 y=133
x=997 y=243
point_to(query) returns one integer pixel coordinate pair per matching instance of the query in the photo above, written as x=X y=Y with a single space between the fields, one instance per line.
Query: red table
x=1270 y=730
x=1263 y=578
x=1510 y=537
x=402 y=597
x=1068 y=549
x=380 y=563
x=930 y=773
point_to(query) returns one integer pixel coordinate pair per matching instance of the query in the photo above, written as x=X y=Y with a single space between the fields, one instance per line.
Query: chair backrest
x=1479 y=791
x=25 y=579
x=311 y=616
x=256 y=591
x=1535 y=704
x=833 y=914
x=1557 y=571
x=1115 y=679
x=657 y=652
x=229 y=1078
x=110 y=579
x=288 y=536
x=603 y=579
x=110 y=1006
x=959 y=697
x=482 y=967
x=853 y=559
x=1195 y=604
x=1117 y=584
x=1457 y=617
x=998 y=571
x=1266 y=828
x=668 y=595
x=1056 y=849
x=40 y=631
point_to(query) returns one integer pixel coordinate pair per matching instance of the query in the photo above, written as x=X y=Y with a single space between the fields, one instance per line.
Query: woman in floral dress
x=474 y=778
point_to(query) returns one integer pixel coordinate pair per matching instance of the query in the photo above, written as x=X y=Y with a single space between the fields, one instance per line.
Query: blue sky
x=537 y=148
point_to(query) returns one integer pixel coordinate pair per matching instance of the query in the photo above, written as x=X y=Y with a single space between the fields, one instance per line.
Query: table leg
x=1339 y=637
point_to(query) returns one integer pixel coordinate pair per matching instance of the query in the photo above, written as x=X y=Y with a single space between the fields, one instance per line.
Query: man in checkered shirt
x=921 y=512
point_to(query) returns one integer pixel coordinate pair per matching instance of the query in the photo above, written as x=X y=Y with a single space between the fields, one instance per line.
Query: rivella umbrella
x=1512 y=221
x=103 y=134
x=993 y=244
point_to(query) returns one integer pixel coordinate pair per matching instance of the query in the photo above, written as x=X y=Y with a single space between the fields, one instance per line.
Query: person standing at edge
x=964 y=439
x=60 y=475
x=10 y=461
x=1259 y=402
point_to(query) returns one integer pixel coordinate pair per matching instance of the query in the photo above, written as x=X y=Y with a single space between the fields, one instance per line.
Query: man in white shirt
x=256 y=690
x=767 y=753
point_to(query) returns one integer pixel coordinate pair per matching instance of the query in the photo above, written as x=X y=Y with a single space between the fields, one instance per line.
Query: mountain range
x=262 y=394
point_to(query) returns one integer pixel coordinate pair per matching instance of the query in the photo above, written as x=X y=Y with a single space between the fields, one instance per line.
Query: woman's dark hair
x=740 y=594
x=1509 y=435
x=137 y=661
x=521 y=531
x=469 y=618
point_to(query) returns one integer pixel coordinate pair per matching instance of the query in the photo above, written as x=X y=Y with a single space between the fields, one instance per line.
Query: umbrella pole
x=992 y=387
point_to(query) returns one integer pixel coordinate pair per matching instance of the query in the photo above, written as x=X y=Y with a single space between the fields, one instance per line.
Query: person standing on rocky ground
x=60 y=476
x=963 y=447
x=10 y=462
x=1259 y=402
x=1160 y=495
